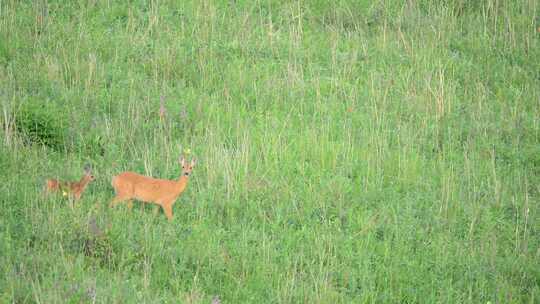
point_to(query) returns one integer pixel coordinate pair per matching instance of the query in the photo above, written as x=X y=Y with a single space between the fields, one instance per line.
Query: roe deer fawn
x=163 y=192
x=72 y=189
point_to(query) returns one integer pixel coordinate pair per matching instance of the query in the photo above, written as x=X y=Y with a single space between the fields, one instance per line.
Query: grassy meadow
x=348 y=151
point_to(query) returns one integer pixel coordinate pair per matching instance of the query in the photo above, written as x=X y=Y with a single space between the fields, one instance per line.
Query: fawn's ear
x=182 y=161
x=193 y=162
x=87 y=169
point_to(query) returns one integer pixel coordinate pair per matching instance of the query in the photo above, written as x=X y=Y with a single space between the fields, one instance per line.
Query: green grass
x=349 y=151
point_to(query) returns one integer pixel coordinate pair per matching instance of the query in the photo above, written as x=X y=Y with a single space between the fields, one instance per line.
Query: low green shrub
x=42 y=123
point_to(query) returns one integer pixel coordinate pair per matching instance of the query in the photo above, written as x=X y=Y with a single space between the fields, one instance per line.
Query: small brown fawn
x=162 y=192
x=72 y=189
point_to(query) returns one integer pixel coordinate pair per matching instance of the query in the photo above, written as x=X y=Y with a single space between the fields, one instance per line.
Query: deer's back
x=52 y=184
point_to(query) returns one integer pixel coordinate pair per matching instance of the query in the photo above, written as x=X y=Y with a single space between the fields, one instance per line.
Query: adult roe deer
x=162 y=192
x=72 y=189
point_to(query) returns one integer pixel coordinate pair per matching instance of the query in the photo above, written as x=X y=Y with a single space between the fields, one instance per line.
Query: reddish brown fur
x=130 y=185
x=53 y=185
x=73 y=189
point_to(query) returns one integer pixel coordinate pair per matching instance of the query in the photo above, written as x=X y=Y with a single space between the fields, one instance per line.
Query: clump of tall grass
x=41 y=123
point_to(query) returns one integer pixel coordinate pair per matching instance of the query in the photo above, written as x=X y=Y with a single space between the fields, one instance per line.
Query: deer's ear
x=87 y=168
x=193 y=162
x=182 y=161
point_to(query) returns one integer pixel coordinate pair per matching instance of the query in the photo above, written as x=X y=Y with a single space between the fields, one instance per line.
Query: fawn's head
x=88 y=173
x=187 y=168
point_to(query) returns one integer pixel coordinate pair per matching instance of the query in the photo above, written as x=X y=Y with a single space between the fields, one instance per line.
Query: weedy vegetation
x=349 y=151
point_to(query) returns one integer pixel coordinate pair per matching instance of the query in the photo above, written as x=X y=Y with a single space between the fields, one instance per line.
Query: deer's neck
x=182 y=182
x=84 y=181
